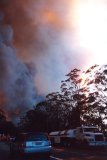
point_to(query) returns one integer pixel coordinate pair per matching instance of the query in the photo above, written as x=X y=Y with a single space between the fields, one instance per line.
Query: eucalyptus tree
x=56 y=110
x=80 y=101
x=73 y=92
x=96 y=102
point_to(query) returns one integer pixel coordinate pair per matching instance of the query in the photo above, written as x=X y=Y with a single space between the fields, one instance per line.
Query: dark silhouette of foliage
x=6 y=127
x=73 y=91
x=34 y=120
x=79 y=102
x=96 y=83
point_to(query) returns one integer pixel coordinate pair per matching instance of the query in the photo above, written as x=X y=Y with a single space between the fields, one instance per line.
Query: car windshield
x=31 y=137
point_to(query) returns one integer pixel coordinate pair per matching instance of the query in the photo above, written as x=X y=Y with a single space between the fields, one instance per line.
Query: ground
x=59 y=153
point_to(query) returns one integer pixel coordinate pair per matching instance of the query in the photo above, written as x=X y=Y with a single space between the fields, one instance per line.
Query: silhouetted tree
x=2 y=120
x=96 y=101
x=79 y=102
x=34 y=120
x=73 y=92
x=59 y=113
x=6 y=127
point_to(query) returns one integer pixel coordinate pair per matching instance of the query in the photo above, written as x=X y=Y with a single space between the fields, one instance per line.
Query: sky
x=42 y=40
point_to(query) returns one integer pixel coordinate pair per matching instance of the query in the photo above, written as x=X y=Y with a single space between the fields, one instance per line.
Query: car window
x=31 y=137
x=37 y=137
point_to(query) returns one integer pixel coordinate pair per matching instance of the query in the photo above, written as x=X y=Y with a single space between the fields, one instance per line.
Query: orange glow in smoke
x=50 y=17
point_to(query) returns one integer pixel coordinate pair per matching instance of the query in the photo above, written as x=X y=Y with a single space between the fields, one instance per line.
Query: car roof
x=27 y=133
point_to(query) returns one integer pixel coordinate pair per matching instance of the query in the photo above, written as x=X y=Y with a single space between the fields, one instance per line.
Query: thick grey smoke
x=43 y=36
x=16 y=82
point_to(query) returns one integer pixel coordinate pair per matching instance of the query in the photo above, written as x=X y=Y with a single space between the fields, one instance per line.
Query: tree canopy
x=80 y=101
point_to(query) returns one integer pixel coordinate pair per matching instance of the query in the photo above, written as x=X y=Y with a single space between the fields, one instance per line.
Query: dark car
x=31 y=143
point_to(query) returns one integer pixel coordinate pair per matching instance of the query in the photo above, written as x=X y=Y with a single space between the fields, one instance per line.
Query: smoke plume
x=42 y=33
x=43 y=36
x=17 y=92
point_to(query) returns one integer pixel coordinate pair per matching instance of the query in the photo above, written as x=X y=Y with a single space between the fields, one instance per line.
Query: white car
x=31 y=143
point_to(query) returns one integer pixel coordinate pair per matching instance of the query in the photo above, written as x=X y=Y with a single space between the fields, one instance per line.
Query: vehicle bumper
x=31 y=150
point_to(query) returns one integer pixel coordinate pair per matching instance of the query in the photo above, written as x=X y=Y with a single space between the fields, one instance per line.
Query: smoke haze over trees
x=33 y=33
x=37 y=48
x=79 y=102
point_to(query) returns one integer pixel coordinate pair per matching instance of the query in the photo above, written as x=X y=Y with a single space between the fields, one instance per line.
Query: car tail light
x=48 y=143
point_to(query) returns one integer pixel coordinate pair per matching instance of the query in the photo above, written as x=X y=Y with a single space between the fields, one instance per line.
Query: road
x=59 y=154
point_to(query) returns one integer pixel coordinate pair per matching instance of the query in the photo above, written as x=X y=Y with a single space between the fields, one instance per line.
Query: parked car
x=31 y=143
